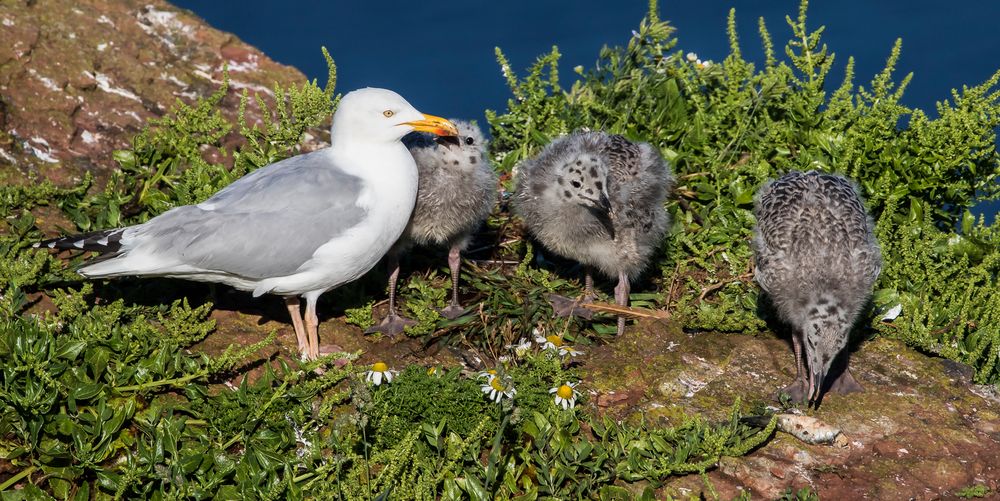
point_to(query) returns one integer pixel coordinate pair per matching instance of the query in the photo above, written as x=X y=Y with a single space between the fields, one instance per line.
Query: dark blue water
x=439 y=55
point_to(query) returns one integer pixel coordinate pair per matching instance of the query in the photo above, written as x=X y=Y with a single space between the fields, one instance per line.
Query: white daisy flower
x=566 y=395
x=692 y=57
x=522 y=347
x=552 y=342
x=569 y=351
x=488 y=374
x=496 y=389
x=557 y=343
x=379 y=371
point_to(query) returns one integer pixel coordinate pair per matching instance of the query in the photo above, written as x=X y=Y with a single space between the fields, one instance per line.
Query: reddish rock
x=887 y=448
x=611 y=398
x=79 y=79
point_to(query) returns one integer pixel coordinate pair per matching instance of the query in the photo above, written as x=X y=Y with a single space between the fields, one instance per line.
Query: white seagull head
x=382 y=116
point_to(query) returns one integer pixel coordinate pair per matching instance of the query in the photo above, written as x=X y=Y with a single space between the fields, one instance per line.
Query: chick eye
x=388 y=113
x=469 y=141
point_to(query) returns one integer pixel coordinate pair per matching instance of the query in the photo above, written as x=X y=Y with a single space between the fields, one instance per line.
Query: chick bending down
x=817 y=259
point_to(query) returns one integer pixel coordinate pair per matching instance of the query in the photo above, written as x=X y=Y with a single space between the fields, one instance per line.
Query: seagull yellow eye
x=388 y=113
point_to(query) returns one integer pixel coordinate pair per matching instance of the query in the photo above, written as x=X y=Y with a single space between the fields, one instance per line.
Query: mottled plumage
x=817 y=259
x=456 y=192
x=598 y=199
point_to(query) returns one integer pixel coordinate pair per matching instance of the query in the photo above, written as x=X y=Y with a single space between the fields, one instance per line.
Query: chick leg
x=292 y=303
x=393 y=324
x=588 y=284
x=454 y=310
x=798 y=389
x=621 y=297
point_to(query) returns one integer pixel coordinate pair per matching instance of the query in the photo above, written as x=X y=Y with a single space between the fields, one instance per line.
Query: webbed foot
x=564 y=306
x=845 y=383
x=797 y=391
x=452 y=311
x=392 y=325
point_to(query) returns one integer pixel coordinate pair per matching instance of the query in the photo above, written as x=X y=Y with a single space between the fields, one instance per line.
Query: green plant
x=946 y=286
x=803 y=494
x=973 y=491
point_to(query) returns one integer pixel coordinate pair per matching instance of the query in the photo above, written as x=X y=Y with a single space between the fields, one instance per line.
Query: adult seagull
x=298 y=227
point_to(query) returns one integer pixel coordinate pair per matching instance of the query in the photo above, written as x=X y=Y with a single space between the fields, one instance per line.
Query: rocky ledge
x=921 y=429
x=79 y=79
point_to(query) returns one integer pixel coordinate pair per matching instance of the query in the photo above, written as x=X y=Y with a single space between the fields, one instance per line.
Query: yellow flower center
x=492 y=372
x=431 y=371
x=565 y=391
x=380 y=367
x=555 y=340
x=495 y=384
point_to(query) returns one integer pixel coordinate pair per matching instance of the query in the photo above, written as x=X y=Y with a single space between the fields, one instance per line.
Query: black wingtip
x=103 y=241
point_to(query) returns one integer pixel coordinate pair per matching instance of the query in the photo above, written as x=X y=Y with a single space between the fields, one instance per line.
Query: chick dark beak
x=447 y=141
x=816 y=378
x=604 y=203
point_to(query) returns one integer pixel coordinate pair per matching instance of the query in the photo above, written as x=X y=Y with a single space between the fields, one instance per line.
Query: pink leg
x=300 y=332
x=621 y=297
x=454 y=310
x=312 y=327
x=798 y=390
x=393 y=324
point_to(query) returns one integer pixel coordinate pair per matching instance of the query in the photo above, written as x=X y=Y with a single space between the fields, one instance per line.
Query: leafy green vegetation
x=973 y=491
x=106 y=392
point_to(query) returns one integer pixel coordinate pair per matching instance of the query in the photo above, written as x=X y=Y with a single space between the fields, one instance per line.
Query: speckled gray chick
x=598 y=199
x=456 y=191
x=817 y=259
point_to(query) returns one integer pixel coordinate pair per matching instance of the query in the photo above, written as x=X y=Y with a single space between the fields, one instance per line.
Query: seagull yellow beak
x=435 y=125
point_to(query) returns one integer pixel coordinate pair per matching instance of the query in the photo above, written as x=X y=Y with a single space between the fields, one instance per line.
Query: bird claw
x=452 y=311
x=391 y=325
x=796 y=391
x=564 y=306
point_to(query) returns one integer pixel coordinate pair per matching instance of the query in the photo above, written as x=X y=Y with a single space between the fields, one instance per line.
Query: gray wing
x=266 y=224
x=776 y=208
x=805 y=220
